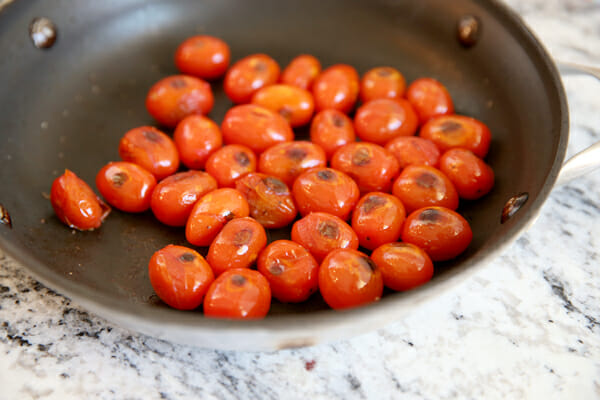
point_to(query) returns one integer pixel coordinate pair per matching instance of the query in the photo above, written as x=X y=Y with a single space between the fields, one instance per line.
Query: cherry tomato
x=378 y=219
x=429 y=98
x=292 y=103
x=370 y=165
x=321 y=233
x=204 y=56
x=382 y=83
x=174 y=197
x=255 y=127
x=331 y=129
x=237 y=245
x=180 y=276
x=421 y=186
x=151 y=149
x=336 y=88
x=381 y=120
x=126 y=186
x=441 y=232
x=413 y=150
x=291 y=270
x=212 y=212
x=239 y=293
x=301 y=72
x=403 y=266
x=287 y=161
x=270 y=200
x=471 y=176
x=196 y=138
x=229 y=163
x=248 y=75
x=175 y=97
x=348 y=278
x=326 y=190
x=76 y=204
x=457 y=131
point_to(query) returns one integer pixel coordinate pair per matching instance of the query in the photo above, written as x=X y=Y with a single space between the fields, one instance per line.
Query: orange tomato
x=413 y=150
x=301 y=72
x=421 y=186
x=381 y=120
x=378 y=219
x=429 y=98
x=196 y=138
x=382 y=83
x=229 y=163
x=126 y=186
x=204 y=56
x=471 y=176
x=287 y=161
x=457 y=131
x=403 y=266
x=292 y=103
x=336 y=88
x=331 y=129
x=248 y=75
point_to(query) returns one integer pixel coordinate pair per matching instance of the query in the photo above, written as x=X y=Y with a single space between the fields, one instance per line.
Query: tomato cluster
x=394 y=193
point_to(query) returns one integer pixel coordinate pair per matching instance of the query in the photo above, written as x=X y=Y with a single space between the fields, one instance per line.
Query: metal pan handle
x=586 y=160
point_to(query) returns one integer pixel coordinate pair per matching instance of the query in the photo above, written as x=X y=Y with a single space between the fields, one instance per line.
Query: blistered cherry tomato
x=151 y=149
x=378 y=219
x=413 y=150
x=382 y=83
x=331 y=129
x=229 y=163
x=441 y=232
x=212 y=212
x=255 y=127
x=76 y=204
x=292 y=103
x=270 y=199
x=196 y=138
x=287 y=161
x=326 y=190
x=126 y=186
x=204 y=56
x=175 y=97
x=174 y=197
x=370 y=165
x=237 y=245
x=321 y=233
x=239 y=293
x=291 y=270
x=348 y=278
x=457 y=131
x=301 y=72
x=421 y=186
x=381 y=120
x=403 y=266
x=180 y=276
x=471 y=176
x=337 y=88
x=429 y=98
x=248 y=75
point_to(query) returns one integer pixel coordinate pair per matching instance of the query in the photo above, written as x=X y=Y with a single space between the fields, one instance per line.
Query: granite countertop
x=525 y=326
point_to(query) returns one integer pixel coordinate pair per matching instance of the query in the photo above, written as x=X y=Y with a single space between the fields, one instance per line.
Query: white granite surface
x=526 y=326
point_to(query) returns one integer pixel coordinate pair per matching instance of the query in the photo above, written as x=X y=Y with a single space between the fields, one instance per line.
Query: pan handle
x=589 y=159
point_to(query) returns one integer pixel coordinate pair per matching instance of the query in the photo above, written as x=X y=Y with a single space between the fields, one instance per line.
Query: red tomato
x=126 y=186
x=151 y=149
x=441 y=232
x=238 y=293
x=175 y=97
x=331 y=129
x=382 y=83
x=174 y=197
x=348 y=278
x=287 y=161
x=248 y=75
x=196 y=138
x=429 y=98
x=291 y=270
x=76 y=204
x=381 y=120
x=337 y=88
x=180 y=276
x=229 y=163
x=292 y=103
x=403 y=266
x=378 y=219
x=457 y=131
x=255 y=127
x=412 y=150
x=204 y=56
x=471 y=176
x=421 y=186
x=301 y=72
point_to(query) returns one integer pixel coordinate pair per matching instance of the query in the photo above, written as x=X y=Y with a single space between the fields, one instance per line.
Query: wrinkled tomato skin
x=301 y=71
x=421 y=186
x=248 y=75
x=381 y=120
x=175 y=97
x=414 y=150
x=429 y=98
x=126 y=186
x=180 y=276
x=471 y=176
x=292 y=103
x=76 y=204
x=174 y=197
x=229 y=163
x=403 y=266
x=349 y=278
x=336 y=88
x=382 y=83
x=458 y=131
x=203 y=56
x=377 y=219
x=196 y=138
x=292 y=272
x=289 y=160
x=238 y=293
x=331 y=129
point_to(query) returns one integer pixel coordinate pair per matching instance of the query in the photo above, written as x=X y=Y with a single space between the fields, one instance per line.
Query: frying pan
x=68 y=106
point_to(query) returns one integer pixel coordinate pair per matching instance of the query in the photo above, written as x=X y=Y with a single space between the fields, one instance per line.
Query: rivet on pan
x=42 y=32
x=469 y=30
x=5 y=217
x=513 y=205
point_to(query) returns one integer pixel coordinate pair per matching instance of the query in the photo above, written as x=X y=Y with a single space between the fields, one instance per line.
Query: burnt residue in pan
x=5 y=217
x=513 y=205
x=42 y=32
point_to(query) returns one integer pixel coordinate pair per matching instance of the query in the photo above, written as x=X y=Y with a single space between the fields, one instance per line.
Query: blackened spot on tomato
x=260 y=66
x=152 y=136
x=338 y=121
x=5 y=217
x=178 y=83
x=275 y=185
x=325 y=175
x=285 y=112
x=259 y=114
x=119 y=178
x=430 y=215
x=361 y=157
x=368 y=263
x=296 y=154
x=276 y=268
x=228 y=215
x=450 y=126
x=384 y=72
x=242 y=158
x=238 y=280
x=242 y=237
x=372 y=202
x=426 y=180
x=329 y=229
x=187 y=257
